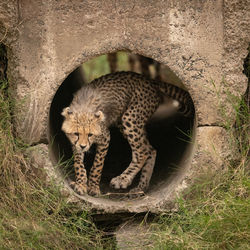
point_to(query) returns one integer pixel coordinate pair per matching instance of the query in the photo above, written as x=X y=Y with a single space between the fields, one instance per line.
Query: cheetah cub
x=124 y=99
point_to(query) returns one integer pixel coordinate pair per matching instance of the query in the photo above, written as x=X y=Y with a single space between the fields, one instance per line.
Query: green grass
x=213 y=214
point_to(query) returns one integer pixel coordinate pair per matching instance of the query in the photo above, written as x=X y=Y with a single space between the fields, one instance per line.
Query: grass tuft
x=213 y=214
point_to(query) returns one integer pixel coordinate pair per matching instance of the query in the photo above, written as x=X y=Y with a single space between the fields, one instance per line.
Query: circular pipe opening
x=168 y=132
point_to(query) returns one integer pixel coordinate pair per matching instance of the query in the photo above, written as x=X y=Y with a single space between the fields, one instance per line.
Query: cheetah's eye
x=89 y=135
x=76 y=134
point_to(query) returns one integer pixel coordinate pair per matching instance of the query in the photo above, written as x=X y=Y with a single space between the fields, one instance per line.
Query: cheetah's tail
x=186 y=106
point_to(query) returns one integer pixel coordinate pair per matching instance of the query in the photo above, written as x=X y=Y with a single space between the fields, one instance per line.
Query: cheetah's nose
x=83 y=146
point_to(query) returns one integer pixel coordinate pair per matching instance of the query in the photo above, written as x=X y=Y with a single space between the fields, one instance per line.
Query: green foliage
x=99 y=66
x=96 y=67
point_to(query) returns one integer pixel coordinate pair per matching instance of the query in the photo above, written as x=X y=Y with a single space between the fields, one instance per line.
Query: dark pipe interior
x=169 y=135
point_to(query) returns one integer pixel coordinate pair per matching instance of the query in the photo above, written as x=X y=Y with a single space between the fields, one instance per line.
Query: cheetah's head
x=82 y=129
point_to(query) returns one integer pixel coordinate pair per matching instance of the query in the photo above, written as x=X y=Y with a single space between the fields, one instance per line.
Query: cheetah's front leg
x=80 y=185
x=96 y=169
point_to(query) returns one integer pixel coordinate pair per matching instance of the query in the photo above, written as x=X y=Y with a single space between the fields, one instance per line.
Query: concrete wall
x=202 y=42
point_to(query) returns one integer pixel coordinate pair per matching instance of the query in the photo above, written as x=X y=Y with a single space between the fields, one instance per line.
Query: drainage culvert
x=171 y=134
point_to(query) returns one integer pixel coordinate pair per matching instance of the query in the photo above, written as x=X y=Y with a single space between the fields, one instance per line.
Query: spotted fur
x=125 y=99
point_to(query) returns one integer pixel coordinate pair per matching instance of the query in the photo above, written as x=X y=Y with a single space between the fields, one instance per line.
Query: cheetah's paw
x=94 y=190
x=79 y=188
x=120 y=182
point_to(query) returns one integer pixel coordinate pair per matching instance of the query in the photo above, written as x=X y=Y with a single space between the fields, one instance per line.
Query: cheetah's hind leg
x=145 y=177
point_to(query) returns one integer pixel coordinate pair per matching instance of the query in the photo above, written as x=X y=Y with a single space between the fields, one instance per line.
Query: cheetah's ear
x=99 y=115
x=66 y=112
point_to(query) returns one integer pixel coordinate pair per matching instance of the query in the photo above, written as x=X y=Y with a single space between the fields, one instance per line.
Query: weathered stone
x=133 y=234
x=9 y=21
x=202 y=42
x=40 y=160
